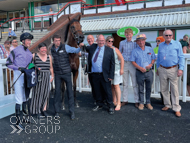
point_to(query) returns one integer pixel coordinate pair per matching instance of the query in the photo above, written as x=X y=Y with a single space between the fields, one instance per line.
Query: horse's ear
x=69 y=18
x=79 y=18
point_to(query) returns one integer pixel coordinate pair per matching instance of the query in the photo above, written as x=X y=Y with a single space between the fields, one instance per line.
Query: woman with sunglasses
x=116 y=92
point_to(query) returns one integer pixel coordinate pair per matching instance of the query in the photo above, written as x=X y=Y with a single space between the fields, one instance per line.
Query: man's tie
x=96 y=56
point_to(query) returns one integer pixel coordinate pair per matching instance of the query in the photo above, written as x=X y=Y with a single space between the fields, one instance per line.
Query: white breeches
x=19 y=87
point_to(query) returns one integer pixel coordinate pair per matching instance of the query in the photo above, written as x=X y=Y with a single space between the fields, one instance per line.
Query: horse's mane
x=67 y=28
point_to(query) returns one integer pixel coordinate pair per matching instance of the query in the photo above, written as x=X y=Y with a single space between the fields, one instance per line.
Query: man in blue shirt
x=143 y=58
x=11 y=35
x=101 y=67
x=170 y=64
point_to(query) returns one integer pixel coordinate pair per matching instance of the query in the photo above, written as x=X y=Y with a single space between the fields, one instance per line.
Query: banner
x=121 y=31
x=120 y=2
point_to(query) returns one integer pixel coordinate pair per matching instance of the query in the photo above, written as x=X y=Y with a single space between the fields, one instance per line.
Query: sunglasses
x=110 y=41
x=15 y=42
x=168 y=35
x=157 y=40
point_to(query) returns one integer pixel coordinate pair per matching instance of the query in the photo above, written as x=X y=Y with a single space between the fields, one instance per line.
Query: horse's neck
x=71 y=41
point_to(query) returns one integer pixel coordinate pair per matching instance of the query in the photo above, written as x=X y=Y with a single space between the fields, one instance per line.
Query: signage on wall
x=120 y=2
x=121 y=31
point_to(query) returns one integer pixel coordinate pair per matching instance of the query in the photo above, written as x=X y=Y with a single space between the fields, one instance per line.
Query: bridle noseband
x=78 y=40
x=75 y=34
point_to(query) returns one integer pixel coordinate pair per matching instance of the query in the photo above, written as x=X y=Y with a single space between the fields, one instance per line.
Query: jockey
x=18 y=60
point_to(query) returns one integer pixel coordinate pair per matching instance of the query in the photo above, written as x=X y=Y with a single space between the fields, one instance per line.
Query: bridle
x=77 y=40
x=75 y=34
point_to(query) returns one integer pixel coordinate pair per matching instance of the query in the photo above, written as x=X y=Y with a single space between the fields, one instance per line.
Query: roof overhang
x=143 y=22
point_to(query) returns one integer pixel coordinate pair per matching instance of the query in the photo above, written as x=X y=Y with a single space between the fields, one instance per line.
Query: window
x=44 y=6
x=109 y=1
x=62 y=3
x=3 y=17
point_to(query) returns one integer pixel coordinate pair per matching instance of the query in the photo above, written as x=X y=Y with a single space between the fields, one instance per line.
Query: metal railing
x=29 y=23
x=130 y=5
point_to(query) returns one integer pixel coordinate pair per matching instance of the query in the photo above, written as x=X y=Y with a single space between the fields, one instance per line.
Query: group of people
x=10 y=44
x=139 y=60
x=107 y=67
x=19 y=60
x=135 y=59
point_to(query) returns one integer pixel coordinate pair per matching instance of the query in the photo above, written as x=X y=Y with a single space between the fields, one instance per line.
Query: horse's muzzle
x=79 y=38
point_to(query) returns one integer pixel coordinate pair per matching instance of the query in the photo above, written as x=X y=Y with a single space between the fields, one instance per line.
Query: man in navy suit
x=101 y=68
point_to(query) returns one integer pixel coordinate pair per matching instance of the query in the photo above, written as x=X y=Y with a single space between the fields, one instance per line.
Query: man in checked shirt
x=126 y=46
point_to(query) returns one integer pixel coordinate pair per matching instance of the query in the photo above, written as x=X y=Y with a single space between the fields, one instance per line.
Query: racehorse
x=73 y=37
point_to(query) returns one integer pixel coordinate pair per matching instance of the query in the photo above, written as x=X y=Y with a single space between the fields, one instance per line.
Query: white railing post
x=154 y=78
x=185 y=81
x=79 y=78
x=1 y=82
x=13 y=25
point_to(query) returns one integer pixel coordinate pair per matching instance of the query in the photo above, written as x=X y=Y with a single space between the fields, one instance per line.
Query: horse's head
x=76 y=32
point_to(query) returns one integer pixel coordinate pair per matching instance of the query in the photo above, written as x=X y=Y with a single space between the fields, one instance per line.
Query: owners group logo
x=48 y=125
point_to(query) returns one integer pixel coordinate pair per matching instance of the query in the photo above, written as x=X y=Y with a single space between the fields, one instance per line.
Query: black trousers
x=90 y=80
x=57 y=98
x=101 y=89
x=50 y=21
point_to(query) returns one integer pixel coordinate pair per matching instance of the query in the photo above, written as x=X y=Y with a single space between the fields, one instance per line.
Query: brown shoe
x=124 y=103
x=137 y=105
x=141 y=106
x=178 y=114
x=165 y=108
x=149 y=106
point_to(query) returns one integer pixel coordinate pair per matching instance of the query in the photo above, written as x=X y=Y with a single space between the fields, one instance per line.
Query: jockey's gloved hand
x=21 y=69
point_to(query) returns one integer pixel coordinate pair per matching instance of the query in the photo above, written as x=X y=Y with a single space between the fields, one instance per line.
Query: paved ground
x=129 y=125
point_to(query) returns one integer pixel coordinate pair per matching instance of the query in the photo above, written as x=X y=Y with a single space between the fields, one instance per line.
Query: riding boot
x=24 y=108
x=17 y=113
x=26 y=113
